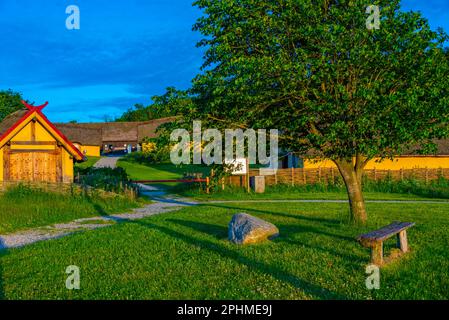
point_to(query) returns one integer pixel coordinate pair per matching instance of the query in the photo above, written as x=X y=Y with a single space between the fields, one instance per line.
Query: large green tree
x=9 y=102
x=169 y=104
x=333 y=87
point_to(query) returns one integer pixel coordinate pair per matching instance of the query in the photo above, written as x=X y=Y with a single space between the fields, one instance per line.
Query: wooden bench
x=375 y=239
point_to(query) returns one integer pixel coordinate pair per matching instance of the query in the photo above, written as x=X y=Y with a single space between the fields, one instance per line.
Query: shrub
x=108 y=179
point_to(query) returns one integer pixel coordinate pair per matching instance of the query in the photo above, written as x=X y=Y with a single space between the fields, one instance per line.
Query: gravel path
x=161 y=204
x=107 y=162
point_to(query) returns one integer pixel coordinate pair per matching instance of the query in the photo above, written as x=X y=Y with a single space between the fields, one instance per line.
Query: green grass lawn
x=165 y=171
x=23 y=208
x=292 y=193
x=185 y=255
x=87 y=164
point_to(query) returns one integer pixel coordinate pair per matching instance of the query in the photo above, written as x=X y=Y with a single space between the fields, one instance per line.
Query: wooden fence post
x=248 y=188
x=293 y=177
x=207 y=185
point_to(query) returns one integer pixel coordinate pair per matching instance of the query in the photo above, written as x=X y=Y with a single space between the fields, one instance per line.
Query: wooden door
x=40 y=166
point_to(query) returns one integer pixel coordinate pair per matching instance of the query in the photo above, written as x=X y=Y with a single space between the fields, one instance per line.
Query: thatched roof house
x=117 y=134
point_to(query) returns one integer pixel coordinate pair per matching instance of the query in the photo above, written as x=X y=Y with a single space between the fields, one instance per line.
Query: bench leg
x=402 y=241
x=377 y=254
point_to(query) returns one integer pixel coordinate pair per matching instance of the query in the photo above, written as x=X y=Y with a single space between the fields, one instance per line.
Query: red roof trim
x=38 y=109
x=31 y=107
x=63 y=137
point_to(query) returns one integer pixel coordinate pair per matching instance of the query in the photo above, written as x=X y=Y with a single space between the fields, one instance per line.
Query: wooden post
x=207 y=185
x=304 y=175
x=427 y=175
x=319 y=174
x=248 y=189
x=6 y=163
x=293 y=177
x=402 y=241
x=375 y=174
x=377 y=254
x=402 y=174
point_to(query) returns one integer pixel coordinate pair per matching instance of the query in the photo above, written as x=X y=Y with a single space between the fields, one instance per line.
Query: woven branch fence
x=68 y=188
x=296 y=176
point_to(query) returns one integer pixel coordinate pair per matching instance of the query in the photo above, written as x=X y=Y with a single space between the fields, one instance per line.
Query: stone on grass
x=246 y=229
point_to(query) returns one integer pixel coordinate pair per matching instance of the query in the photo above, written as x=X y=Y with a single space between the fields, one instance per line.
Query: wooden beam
x=33 y=129
x=59 y=173
x=377 y=254
x=6 y=163
x=33 y=143
x=402 y=241
x=33 y=150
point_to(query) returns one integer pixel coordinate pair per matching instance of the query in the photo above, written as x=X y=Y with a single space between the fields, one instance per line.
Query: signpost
x=241 y=168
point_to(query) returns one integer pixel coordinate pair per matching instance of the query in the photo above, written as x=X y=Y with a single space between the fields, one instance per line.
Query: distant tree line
x=10 y=102
x=171 y=103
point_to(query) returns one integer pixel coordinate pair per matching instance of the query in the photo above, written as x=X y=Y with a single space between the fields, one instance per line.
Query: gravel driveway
x=161 y=204
x=107 y=162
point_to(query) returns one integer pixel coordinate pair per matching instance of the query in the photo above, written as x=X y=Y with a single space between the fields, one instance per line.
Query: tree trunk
x=352 y=176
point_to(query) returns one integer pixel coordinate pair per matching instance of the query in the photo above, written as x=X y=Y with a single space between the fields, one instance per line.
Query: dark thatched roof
x=11 y=119
x=443 y=149
x=107 y=132
x=84 y=136
x=149 y=128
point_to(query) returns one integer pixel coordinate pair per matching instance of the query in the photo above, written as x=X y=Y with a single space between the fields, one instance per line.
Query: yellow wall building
x=88 y=151
x=402 y=162
x=33 y=149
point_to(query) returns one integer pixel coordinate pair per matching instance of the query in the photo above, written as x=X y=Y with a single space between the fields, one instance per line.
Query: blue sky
x=124 y=53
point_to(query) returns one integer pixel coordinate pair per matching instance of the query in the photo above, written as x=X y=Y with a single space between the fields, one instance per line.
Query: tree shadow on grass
x=352 y=258
x=3 y=252
x=214 y=230
x=309 y=288
x=100 y=210
x=221 y=232
x=282 y=214
x=332 y=223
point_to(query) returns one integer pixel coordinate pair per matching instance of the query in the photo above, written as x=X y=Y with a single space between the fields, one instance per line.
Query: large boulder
x=245 y=229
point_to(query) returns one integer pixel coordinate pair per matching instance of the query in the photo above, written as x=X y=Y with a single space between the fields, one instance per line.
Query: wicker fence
x=67 y=188
x=295 y=176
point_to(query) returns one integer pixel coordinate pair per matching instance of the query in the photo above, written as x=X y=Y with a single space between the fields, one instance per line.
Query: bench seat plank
x=369 y=239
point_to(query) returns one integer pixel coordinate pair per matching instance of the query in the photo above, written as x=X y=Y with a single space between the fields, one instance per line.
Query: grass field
x=185 y=255
x=22 y=208
x=163 y=171
x=293 y=193
x=87 y=164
